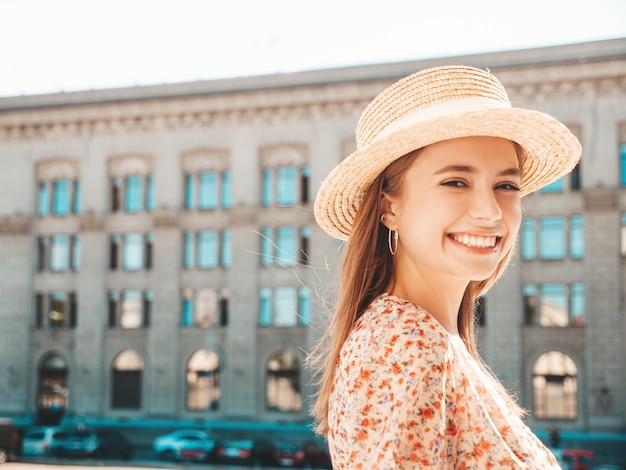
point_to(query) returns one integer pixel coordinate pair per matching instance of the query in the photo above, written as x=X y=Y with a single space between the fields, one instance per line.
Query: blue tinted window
x=150 y=195
x=268 y=187
x=285 y=306
x=77 y=203
x=190 y=190
x=187 y=319
x=207 y=249
x=555 y=187
x=286 y=246
x=61 y=197
x=286 y=185
x=60 y=253
x=529 y=240
x=134 y=194
x=553 y=309
x=552 y=240
x=208 y=192
x=267 y=247
x=265 y=306
x=578 y=303
x=189 y=250
x=305 y=306
x=226 y=249
x=44 y=198
x=227 y=202
x=76 y=252
x=132 y=254
x=577 y=237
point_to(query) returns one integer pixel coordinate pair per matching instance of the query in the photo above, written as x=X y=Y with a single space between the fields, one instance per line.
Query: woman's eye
x=455 y=183
x=508 y=187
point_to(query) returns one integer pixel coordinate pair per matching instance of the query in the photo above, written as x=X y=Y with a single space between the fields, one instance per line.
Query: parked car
x=113 y=443
x=578 y=459
x=78 y=443
x=246 y=451
x=43 y=440
x=9 y=440
x=311 y=453
x=184 y=445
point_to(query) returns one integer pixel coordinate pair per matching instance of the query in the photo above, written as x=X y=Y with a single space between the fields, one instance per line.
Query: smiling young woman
x=430 y=206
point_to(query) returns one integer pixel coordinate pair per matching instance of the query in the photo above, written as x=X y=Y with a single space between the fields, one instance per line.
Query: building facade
x=160 y=259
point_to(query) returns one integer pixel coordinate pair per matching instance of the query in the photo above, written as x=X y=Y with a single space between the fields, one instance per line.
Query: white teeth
x=475 y=241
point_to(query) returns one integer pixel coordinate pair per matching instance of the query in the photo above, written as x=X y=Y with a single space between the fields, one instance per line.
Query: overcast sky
x=66 y=45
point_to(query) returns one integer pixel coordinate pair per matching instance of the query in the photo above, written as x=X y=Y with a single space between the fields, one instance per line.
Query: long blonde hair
x=366 y=272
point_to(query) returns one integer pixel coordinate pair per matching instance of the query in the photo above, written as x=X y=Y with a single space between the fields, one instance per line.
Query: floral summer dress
x=408 y=395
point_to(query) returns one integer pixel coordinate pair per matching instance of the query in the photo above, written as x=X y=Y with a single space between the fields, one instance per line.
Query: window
x=213 y=190
x=136 y=251
x=53 y=390
x=203 y=381
x=129 y=309
x=287 y=185
x=205 y=307
x=284 y=306
x=59 y=197
x=213 y=249
x=207 y=249
x=283 y=382
x=555 y=187
x=55 y=310
x=576 y=237
x=555 y=238
x=189 y=250
x=126 y=380
x=552 y=242
x=136 y=191
x=554 y=304
x=132 y=252
x=59 y=253
x=285 y=246
x=555 y=386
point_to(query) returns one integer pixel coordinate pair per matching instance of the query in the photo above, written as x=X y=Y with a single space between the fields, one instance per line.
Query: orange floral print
x=408 y=395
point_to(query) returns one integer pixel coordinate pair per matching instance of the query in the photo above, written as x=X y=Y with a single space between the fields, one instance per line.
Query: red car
x=308 y=453
x=578 y=459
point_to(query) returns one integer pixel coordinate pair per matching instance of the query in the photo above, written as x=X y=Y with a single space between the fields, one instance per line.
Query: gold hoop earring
x=393 y=250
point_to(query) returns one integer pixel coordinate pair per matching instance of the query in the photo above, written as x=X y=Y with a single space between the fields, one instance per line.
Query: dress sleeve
x=400 y=397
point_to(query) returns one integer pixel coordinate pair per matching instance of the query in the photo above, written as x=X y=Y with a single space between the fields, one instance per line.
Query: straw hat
x=438 y=104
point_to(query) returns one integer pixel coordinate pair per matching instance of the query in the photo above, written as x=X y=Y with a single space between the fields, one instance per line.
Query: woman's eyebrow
x=513 y=171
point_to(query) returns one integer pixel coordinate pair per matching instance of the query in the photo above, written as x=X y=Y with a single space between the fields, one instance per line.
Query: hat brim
x=550 y=151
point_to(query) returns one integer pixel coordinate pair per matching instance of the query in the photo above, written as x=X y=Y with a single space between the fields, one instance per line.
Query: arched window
x=127 y=371
x=53 y=394
x=283 y=382
x=203 y=381
x=555 y=386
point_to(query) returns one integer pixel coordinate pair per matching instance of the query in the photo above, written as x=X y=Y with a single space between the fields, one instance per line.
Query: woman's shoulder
x=389 y=314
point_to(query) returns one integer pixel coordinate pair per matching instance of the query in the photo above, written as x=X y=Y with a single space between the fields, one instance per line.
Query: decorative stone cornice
x=17 y=224
x=165 y=218
x=601 y=199
x=91 y=221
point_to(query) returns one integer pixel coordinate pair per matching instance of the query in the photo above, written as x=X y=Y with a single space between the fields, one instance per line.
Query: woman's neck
x=441 y=300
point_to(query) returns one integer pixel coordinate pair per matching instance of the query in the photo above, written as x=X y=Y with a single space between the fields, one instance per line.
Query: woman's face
x=458 y=211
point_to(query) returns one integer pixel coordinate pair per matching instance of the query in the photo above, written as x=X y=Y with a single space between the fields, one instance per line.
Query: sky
x=49 y=46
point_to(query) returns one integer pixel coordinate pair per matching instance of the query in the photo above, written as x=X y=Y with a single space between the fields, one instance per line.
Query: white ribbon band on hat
x=473 y=103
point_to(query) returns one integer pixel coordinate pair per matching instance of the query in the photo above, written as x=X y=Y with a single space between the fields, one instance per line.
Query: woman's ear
x=385 y=208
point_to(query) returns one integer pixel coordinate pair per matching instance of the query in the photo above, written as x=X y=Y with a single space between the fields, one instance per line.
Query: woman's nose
x=484 y=205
